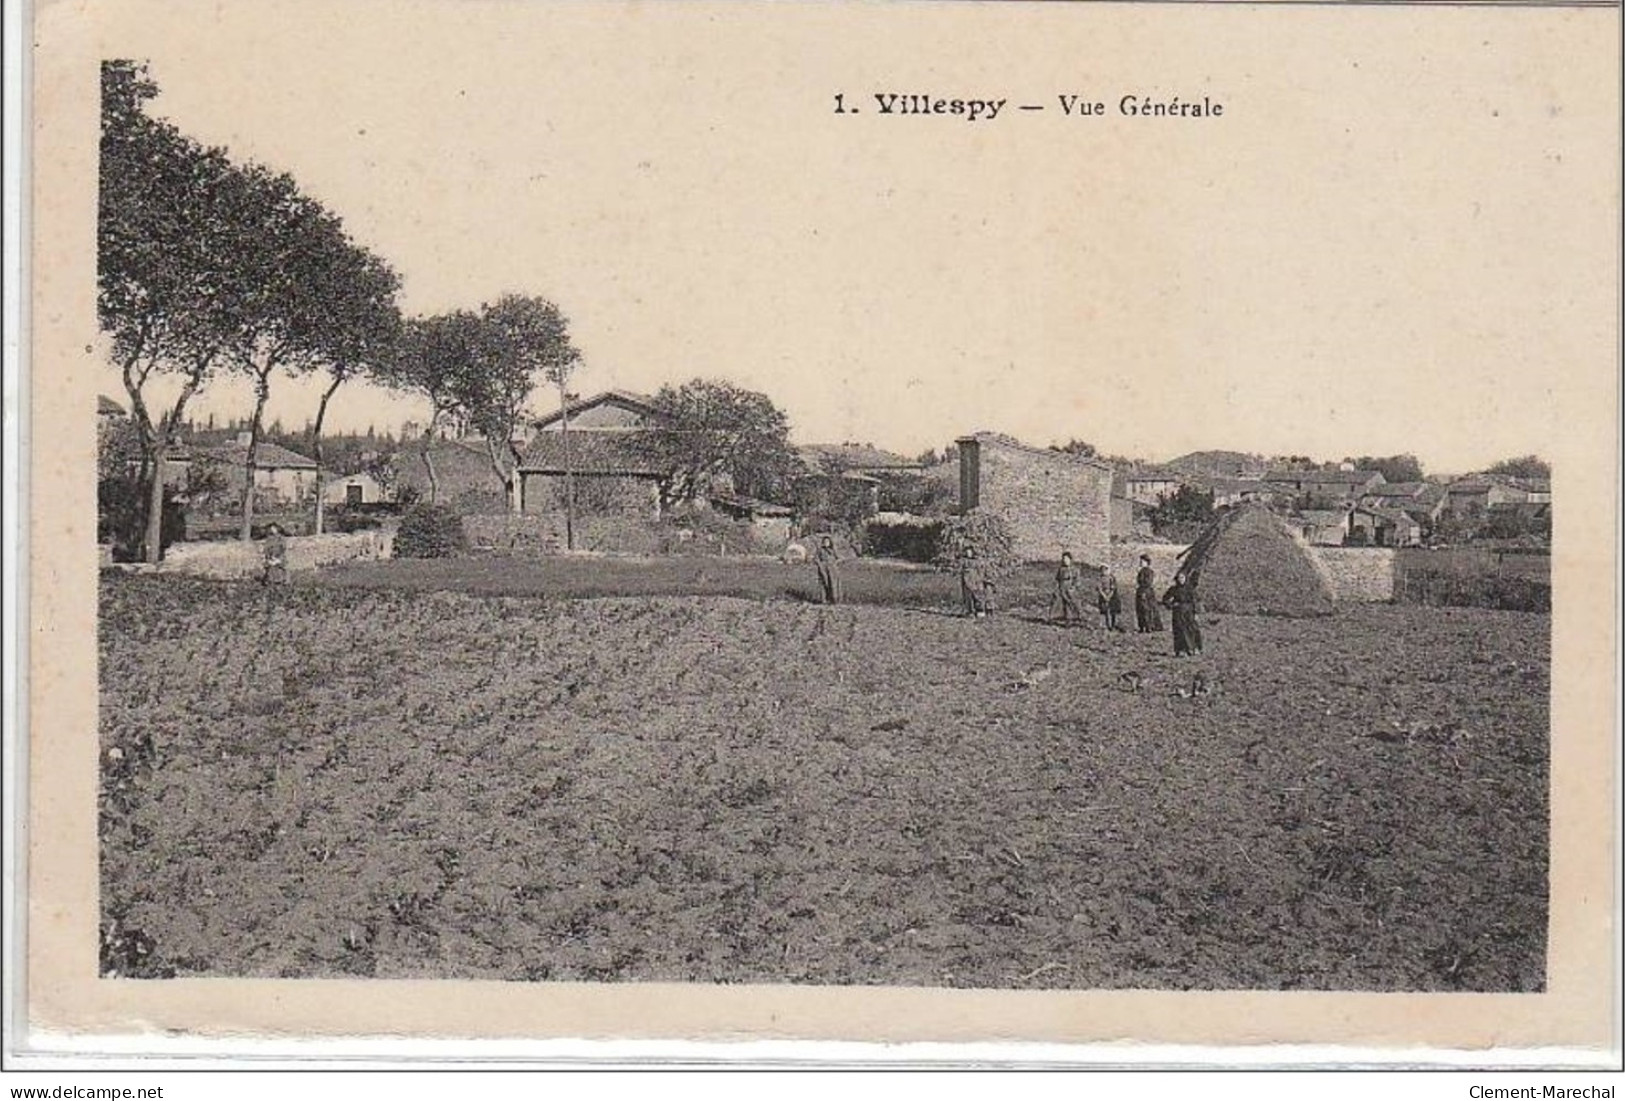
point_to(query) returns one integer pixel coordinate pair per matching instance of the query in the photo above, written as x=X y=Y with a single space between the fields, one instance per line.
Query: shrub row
x=1447 y=588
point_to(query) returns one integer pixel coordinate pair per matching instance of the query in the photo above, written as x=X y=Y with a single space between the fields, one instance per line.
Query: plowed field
x=328 y=781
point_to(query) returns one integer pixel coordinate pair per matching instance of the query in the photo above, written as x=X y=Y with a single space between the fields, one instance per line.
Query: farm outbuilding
x=352 y=489
x=1051 y=500
x=1251 y=562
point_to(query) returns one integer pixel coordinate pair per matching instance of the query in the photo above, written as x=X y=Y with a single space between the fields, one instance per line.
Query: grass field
x=349 y=778
x=864 y=581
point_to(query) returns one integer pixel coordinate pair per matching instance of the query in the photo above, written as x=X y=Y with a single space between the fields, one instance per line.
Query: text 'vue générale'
x=917 y=105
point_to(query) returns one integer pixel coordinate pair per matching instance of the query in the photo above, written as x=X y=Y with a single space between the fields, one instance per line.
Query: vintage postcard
x=1070 y=523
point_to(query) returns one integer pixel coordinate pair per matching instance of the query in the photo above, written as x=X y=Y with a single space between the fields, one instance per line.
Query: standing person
x=829 y=578
x=973 y=584
x=276 y=556
x=1181 y=598
x=1067 y=580
x=1111 y=604
x=1146 y=612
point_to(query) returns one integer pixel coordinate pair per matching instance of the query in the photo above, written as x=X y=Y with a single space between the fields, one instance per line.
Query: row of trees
x=207 y=267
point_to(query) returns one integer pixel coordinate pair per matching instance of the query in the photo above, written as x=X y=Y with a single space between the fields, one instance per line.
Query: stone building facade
x=1051 y=501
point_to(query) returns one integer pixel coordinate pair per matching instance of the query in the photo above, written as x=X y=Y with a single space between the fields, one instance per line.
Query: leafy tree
x=521 y=341
x=1524 y=466
x=707 y=429
x=369 y=325
x=1393 y=468
x=163 y=290
x=304 y=296
x=1185 y=511
x=429 y=361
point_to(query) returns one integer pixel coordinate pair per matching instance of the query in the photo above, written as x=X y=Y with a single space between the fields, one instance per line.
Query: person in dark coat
x=1067 y=581
x=1181 y=599
x=829 y=577
x=974 y=586
x=1108 y=600
x=1146 y=612
x=276 y=556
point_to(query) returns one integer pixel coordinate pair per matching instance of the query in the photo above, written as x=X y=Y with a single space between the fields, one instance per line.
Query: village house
x=1322 y=527
x=587 y=451
x=109 y=415
x=285 y=476
x=1229 y=492
x=1131 y=520
x=1150 y=484
x=1423 y=502
x=1051 y=500
x=1478 y=493
x=1378 y=526
x=1320 y=489
x=352 y=489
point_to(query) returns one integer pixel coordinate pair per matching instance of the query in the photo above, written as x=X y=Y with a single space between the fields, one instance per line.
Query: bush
x=986 y=533
x=121 y=520
x=430 y=531
x=911 y=538
x=701 y=531
x=1453 y=588
x=346 y=519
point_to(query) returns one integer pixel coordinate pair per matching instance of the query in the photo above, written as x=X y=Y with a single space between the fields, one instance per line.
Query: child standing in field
x=1067 y=580
x=829 y=578
x=276 y=557
x=1111 y=604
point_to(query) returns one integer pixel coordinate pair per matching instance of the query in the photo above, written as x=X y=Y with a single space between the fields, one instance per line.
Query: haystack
x=1250 y=562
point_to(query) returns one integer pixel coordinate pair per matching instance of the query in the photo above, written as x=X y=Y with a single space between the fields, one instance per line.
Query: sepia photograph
x=840 y=497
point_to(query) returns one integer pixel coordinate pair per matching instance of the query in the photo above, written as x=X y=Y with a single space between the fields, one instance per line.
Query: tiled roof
x=1323 y=477
x=639 y=402
x=267 y=455
x=586 y=452
x=108 y=407
x=1322 y=516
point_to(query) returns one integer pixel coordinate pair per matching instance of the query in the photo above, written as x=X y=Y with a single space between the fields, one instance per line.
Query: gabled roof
x=1392 y=515
x=1399 y=489
x=626 y=399
x=106 y=406
x=1324 y=517
x=1324 y=477
x=1002 y=440
x=267 y=455
x=586 y=453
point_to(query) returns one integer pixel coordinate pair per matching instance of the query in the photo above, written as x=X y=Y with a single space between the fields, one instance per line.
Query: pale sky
x=1401 y=240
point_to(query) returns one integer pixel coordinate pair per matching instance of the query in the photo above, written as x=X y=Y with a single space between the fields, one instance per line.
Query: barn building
x=1051 y=500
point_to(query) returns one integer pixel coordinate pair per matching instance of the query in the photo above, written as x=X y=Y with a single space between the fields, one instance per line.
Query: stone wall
x=1359 y=575
x=305 y=552
x=1051 y=501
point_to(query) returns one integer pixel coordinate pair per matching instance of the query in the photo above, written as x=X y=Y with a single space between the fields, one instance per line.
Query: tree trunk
x=151 y=450
x=428 y=462
x=262 y=391
x=165 y=440
x=507 y=477
x=316 y=452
